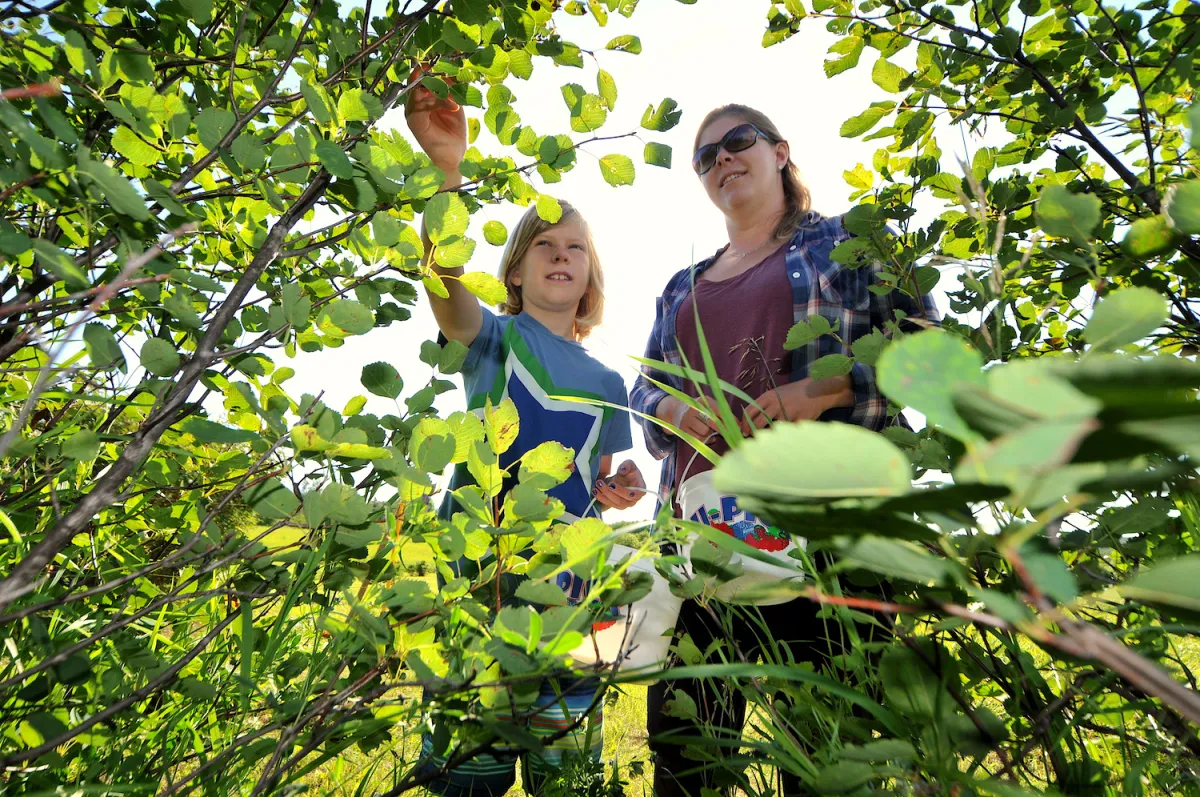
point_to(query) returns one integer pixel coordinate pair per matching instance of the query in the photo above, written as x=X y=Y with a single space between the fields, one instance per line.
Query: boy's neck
x=561 y=323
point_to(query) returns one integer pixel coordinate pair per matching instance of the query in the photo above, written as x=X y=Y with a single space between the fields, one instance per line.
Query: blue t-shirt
x=516 y=357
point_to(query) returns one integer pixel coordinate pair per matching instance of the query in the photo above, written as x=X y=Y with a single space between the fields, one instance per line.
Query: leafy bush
x=163 y=168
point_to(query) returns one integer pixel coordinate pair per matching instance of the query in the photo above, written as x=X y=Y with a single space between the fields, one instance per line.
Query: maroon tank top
x=745 y=320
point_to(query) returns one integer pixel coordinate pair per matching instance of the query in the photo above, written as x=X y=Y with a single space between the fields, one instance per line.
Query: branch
x=116 y=708
x=102 y=296
x=21 y=579
x=243 y=120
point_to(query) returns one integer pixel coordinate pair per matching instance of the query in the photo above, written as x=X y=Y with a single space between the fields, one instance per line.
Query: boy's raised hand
x=623 y=489
x=439 y=125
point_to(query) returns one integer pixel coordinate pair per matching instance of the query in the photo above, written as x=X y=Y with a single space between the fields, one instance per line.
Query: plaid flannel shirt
x=820 y=286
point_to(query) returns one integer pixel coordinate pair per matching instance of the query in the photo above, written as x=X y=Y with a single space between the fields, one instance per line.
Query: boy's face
x=554 y=273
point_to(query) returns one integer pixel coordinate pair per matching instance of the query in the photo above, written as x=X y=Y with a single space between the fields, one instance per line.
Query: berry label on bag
x=726 y=516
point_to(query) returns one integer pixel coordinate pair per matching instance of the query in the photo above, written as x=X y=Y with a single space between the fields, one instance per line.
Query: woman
x=775 y=271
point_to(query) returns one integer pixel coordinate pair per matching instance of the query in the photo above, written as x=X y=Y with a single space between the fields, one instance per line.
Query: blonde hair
x=591 y=304
x=797 y=200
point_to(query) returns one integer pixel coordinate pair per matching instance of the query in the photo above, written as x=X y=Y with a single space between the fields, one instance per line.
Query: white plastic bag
x=701 y=502
x=639 y=634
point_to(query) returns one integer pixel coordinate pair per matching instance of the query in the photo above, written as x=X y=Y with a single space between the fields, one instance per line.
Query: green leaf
x=54 y=260
x=548 y=209
x=318 y=102
x=102 y=347
x=520 y=63
x=845 y=776
x=657 y=154
x=334 y=160
x=352 y=317
x=617 y=170
x=805 y=332
x=486 y=287
x=213 y=124
x=455 y=254
x=385 y=229
x=922 y=371
x=882 y=750
x=382 y=379
x=867 y=348
x=1125 y=316
x=115 y=189
x=887 y=75
x=1173 y=583
x=897 y=559
x=248 y=150
x=1194 y=123
x=607 y=88
x=357 y=105
x=807 y=461
x=1051 y=575
x=857 y=125
x=830 y=365
x=1067 y=215
x=588 y=114
x=179 y=305
x=1182 y=206
x=126 y=142
x=297 y=307
x=271 y=500
x=360 y=451
x=446 y=217
x=159 y=357
x=581 y=542
x=452 y=356
x=1149 y=236
x=206 y=431
x=495 y=233
x=912 y=687
x=662 y=118
x=551 y=459
x=625 y=44
x=850 y=49
x=542 y=592
x=83 y=445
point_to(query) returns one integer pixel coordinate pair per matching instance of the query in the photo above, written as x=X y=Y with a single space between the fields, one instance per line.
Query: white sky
x=702 y=55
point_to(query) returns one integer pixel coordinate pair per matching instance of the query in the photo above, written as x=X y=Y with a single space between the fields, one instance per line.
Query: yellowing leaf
x=502 y=425
x=307 y=438
x=486 y=287
x=617 y=170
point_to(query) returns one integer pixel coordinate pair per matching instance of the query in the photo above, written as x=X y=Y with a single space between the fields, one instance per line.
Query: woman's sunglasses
x=739 y=138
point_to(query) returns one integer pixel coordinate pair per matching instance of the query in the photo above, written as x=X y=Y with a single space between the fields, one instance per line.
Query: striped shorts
x=559 y=705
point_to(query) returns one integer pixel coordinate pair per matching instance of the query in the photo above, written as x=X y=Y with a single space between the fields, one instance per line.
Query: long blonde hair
x=797 y=200
x=591 y=304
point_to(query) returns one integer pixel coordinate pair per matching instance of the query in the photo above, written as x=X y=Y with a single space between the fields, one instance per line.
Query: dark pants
x=788 y=631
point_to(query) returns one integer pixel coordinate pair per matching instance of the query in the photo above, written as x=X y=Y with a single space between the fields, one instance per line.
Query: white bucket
x=640 y=635
x=701 y=502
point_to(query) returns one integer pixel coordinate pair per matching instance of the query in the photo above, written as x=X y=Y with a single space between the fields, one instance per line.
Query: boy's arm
x=458 y=315
x=440 y=127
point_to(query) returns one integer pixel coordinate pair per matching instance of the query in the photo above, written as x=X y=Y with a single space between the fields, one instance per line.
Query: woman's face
x=742 y=178
x=554 y=273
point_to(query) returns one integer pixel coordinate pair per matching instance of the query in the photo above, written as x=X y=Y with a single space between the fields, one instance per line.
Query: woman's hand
x=688 y=419
x=440 y=127
x=623 y=489
x=805 y=400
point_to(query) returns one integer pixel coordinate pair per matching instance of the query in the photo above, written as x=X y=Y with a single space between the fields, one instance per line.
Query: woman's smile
x=729 y=178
